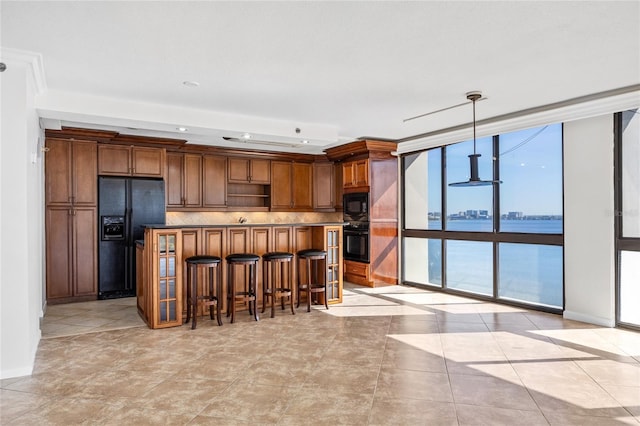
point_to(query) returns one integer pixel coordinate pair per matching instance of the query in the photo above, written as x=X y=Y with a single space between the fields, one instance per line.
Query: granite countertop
x=246 y=224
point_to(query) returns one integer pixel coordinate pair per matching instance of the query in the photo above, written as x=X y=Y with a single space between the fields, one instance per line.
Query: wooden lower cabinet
x=162 y=296
x=329 y=238
x=71 y=253
x=382 y=269
x=162 y=282
x=141 y=278
x=357 y=273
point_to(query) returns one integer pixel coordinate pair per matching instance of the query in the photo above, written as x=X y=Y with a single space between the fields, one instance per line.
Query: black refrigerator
x=124 y=206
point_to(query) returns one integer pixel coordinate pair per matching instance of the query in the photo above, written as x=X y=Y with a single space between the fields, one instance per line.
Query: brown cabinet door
x=302 y=186
x=214 y=173
x=260 y=172
x=214 y=245
x=214 y=241
x=191 y=247
x=281 y=177
x=283 y=239
x=173 y=183
x=147 y=162
x=323 y=186
x=243 y=170
x=85 y=173
x=302 y=238
x=361 y=173
x=113 y=160
x=238 y=170
x=338 y=187
x=59 y=248
x=85 y=236
x=238 y=240
x=58 y=172
x=71 y=172
x=260 y=240
x=355 y=173
x=192 y=180
x=348 y=180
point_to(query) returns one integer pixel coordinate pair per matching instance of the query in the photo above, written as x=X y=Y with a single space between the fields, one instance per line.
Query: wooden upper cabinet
x=323 y=186
x=192 y=180
x=114 y=160
x=184 y=180
x=122 y=160
x=214 y=173
x=355 y=173
x=291 y=186
x=245 y=170
x=147 y=162
x=302 y=186
x=282 y=177
x=339 y=190
x=71 y=172
x=173 y=182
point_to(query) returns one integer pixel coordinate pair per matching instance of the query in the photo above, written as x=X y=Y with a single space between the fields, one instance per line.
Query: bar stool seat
x=314 y=284
x=249 y=294
x=275 y=284
x=210 y=264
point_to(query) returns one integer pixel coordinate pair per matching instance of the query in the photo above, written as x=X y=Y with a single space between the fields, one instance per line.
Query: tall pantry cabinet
x=71 y=219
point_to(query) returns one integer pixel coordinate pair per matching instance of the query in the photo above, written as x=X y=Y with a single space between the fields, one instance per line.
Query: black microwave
x=356 y=206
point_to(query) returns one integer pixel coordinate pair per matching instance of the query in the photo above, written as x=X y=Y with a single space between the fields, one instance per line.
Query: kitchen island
x=160 y=268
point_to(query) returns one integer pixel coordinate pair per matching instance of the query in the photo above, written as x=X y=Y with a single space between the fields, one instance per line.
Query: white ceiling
x=335 y=70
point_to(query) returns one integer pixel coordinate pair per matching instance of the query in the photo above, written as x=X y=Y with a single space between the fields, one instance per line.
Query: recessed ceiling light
x=246 y=136
x=189 y=83
x=181 y=129
x=305 y=141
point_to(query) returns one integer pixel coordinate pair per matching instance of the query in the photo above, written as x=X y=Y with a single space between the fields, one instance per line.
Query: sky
x=530 y=169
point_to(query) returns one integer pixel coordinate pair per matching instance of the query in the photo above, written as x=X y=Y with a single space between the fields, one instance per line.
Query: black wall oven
x=356 y=231
x=356 y=242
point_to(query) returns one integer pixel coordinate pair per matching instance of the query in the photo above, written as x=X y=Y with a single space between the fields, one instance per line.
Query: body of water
x=553 y=226
x=526 y=272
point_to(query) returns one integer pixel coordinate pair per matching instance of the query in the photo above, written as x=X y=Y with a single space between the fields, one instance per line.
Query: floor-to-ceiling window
x=502 y=241
x=628 y=223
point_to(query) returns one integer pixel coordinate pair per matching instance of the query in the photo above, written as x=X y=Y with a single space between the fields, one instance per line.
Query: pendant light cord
x=474 y=125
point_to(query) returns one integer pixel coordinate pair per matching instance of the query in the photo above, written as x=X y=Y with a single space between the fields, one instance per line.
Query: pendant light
x=474 y=179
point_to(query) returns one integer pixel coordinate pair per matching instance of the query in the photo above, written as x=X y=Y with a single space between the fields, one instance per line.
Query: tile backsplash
x=226 y=218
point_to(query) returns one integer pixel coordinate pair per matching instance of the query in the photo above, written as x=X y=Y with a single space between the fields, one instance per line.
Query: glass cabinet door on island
x=334 y=260
x=167 y=295
x=329 y=238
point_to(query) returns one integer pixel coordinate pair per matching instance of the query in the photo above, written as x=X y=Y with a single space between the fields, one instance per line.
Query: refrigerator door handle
x=128 y=226
x=129 y=283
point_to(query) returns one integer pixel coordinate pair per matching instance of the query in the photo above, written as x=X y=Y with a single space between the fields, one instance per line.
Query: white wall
x=589 y=232
x=21 y=218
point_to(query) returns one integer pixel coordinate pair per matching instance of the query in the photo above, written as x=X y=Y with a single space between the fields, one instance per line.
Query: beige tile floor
x=386 y=356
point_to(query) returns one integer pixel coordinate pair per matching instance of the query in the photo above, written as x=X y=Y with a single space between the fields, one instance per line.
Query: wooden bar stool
x=210 y=264
x=275 y=284
x=249 y=295
x=313 y=283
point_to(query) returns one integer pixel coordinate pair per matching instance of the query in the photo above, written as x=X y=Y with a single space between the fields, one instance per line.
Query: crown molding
x=33 y=60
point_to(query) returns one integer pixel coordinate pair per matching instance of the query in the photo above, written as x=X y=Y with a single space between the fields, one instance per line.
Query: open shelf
x=249 y=196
